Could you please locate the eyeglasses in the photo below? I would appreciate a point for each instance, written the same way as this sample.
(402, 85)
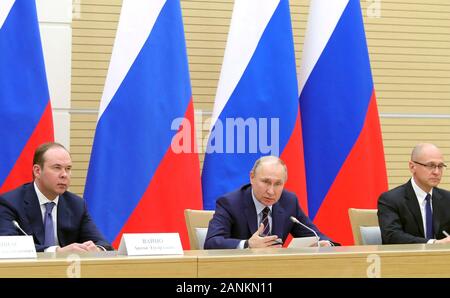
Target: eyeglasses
(432, 166)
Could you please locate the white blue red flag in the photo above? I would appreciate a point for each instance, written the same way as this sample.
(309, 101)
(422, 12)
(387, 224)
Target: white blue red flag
(25, 109)
(256, 109)
(144, 168)
(343, 148)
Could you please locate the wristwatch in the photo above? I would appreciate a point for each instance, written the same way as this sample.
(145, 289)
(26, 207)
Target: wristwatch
(246, 244)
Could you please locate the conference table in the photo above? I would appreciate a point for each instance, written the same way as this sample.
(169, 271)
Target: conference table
(407, 260)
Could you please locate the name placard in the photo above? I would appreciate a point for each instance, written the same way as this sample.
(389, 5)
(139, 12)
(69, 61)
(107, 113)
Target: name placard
(17, 247)
(147, 244)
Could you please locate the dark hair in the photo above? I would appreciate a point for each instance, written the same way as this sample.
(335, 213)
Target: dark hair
(38, 158)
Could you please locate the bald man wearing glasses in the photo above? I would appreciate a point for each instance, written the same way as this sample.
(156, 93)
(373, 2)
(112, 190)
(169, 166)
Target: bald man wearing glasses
(417, 211)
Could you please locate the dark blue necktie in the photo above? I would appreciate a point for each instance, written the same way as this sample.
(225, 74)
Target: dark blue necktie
(265, 222)
(429, 218)
(48, 225)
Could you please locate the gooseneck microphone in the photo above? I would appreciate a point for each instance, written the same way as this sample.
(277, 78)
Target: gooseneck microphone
(296, 221)
(16, 224)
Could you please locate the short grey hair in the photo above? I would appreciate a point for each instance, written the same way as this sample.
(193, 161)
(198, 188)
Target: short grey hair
(268, 158)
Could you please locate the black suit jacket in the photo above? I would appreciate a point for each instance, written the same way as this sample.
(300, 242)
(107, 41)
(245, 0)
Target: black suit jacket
(235, 219)
(400, 218)
(73, 223)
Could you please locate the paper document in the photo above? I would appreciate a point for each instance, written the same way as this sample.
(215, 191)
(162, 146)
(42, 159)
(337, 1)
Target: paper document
(303, 242)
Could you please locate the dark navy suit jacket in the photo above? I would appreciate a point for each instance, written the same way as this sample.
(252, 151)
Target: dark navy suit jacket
(235, 219)
(73, 224)
(400, 218)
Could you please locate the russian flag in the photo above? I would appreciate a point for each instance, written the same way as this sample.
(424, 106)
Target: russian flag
(343, 147)
(25, 109)
(144, 168)
(256, 110)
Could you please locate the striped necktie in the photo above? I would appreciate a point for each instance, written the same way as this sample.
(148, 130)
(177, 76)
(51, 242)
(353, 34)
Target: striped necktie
(265, 222)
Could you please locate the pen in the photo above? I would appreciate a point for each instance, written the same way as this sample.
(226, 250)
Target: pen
(446, 234)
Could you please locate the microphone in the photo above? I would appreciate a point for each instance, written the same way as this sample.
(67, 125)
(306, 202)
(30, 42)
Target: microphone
(296, 221)
(16, 224)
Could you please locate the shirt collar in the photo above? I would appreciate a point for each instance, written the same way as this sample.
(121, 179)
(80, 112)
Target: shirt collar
(420, 193)
(258, 205)
(43, 199)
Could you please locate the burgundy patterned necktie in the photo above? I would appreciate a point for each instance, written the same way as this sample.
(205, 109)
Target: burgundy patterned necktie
(265, 222)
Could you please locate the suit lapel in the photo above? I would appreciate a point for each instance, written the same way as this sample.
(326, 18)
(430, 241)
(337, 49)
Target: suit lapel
(413, 206)
(250, 211)
(277, 220)
(34, 214)
(437, 207)
(64, 218)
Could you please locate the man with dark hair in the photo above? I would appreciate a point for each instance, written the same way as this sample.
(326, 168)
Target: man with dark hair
(57, 219)
(258, 214)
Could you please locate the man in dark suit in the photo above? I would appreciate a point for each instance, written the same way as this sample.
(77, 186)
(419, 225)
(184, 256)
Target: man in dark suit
(258, 214)
(417, 211)
(56, 218)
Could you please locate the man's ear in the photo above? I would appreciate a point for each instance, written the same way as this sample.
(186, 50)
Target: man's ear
(36, 170)
(411, 166)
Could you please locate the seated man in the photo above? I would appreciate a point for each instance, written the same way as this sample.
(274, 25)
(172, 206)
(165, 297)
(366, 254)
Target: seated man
(57, 219)
(258, 214)
(417, 211)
